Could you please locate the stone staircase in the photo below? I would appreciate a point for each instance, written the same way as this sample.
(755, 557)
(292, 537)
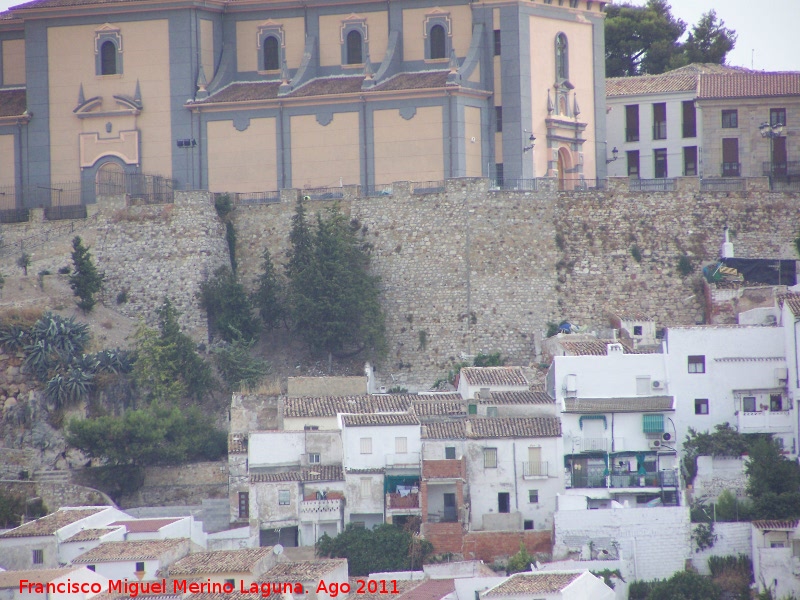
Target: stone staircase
(52, 476)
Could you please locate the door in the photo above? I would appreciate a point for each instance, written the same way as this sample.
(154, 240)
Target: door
(730, 157)
(503, 502)
(779, 156)
(535, 462)
(449, 508)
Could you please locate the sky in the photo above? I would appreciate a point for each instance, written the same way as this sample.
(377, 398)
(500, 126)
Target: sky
(769, 38)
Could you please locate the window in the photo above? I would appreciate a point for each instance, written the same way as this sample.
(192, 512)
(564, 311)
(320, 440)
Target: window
(140, 567)
(91, 567)
(108, 58)
(697, 364)
(366, 445)
(730, 157)
(701, 406)
(313, 458)
(503, 502)
(450, 452)
(490, 458)
(633, 163)
(355, 55)
(660, 121)
(690, 161)
(284, 498)
(660, 162)
(749, 404)
(689, 119)
(400, 445)
(310, 427)
(653, 423)
(777, 116)
(497, 45)
(730, 119)
(775, 402)
(498, 167)
(438, 41)
(643, 386)
(527, 524)
(366, 487)
(491, 411)
(244, 505)
(498, 113)
(271, 47)
(562, 57)
(637, 330)
(38, 557)
(632, 123)
(780, 544)
(533, 496)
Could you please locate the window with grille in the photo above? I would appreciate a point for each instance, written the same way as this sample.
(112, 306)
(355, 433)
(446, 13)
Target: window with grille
(38, 557)
(490, 458)
(366, 445)
(450, 452)
(730, 119)
(284, 497)
(400, 445)
(313, 458)
(244, 505)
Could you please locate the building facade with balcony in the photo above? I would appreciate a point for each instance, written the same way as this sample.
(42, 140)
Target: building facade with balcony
(776, 556)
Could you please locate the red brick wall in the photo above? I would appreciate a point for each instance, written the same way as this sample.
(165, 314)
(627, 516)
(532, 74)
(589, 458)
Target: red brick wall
(489, 546)
(445, 537)
(449, 469)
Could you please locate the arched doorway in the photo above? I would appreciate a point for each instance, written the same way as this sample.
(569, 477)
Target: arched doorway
(565, 181)
(110, 179)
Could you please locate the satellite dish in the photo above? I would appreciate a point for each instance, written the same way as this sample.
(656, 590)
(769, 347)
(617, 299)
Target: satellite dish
(277, 549)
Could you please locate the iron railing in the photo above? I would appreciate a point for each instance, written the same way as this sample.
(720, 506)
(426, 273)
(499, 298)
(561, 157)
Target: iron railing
(581, 184)
(140, 187)
(323, 193)
(250, 198)
(429, 187)
(15, 215)
(519, 185)
(535, 469)
(372, 191)
(62, 213)
(651, 185)
(731, 169)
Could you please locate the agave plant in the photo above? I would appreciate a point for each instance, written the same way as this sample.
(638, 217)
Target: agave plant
(87, 363)
(115, 361)
(56, 392)
(40, 359)
(78, 384)
(13, 337)
(61, 334)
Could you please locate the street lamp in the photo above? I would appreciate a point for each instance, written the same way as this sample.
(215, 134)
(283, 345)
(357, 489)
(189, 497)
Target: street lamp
(772, 132)
(614, 153)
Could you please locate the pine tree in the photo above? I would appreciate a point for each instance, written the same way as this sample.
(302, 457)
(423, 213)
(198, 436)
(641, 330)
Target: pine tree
(269, 296)
(85, 280)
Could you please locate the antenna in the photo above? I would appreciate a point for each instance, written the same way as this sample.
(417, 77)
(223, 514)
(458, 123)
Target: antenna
(277, 549)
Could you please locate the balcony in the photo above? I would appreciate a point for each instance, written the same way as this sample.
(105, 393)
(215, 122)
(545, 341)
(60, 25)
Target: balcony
(766, 421)
(533, 470)
(617, 480)
(781, 169)
(321, 510)
(590, 444)
(731, 169)
(396, 501)
(402, 460)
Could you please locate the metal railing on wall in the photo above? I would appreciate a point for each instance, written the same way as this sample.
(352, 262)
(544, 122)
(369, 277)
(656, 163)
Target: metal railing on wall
(142, 188)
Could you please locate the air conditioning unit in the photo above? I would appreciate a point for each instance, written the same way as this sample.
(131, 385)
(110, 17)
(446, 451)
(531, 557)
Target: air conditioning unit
(658, 385)
(666, 437)
(655, 444)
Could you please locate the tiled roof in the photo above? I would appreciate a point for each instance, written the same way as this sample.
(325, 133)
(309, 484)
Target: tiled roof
(145, 525)
(533, 583)
(650, 84)
(51, 523)
(444, 430)
(13, 103)
(749, 85)
(593, 347)
(372, 471)
(85, 535)
(221, 561)
(604, 405)
(11, 579)
(489, 376)
(432, 409)
(133, 550)
(529, 397)
(237, 443)
(433, 589)
(330, 406)
(380, 419)
(515, 427)
(305, 570)
(793, 301)
(321, 473)
(413, 81)
(773, 524)
(403, 587)
(327, 86)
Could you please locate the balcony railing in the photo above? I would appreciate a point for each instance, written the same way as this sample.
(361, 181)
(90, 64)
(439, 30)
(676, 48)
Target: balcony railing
(661, 184)
(624, 480)
(321, 509)
(518, 185)
(767, 421)
(660, 130)
(781, 169)
(631, 134)
(395, 501)
(731, 169)
(535, 469)
(590, 444)
(429, 187)
(323, 193)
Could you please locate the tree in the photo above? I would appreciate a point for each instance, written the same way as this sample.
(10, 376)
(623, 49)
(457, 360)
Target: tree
(709, 41)
(685, 585)
(641, 39)
(269, 297)
(228, 307)
(335, 301)
(85, 280)
(773, 482)
(23, 262)
(301, 240)
(521, 561)
(237, 366)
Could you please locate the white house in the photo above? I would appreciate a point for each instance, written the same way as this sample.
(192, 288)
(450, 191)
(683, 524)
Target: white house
(163, 529)
(551, 585)
(139, 560)
(65, 583)
(320, 413)
(36, 545)
(776, 556)
(86, 539)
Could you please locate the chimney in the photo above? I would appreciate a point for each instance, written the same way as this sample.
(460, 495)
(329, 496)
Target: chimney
(727, 246)
(468, 427)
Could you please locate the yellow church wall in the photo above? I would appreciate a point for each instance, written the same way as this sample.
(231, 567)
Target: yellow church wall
(581, 74)
(207, 48)
(414, 30)
(14, 62)
(408, 150)
(71, 60)
(242, 161)
(472, 131)
(324, 156)
(8, 172)
(294, 39)
(330, 36)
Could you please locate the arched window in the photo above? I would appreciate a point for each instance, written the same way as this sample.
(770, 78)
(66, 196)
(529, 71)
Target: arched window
(562, 57)
(437, 40)
(108, 58)
(271, 54)
(355, 55)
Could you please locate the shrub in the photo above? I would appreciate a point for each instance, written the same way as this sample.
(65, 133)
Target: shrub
(86, 280)
(228, 306)
(238, 368)
(23, 262)
(636, 253)
(685, 266)
(122, 297)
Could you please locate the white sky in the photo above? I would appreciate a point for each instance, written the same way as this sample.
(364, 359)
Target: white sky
(769, 30)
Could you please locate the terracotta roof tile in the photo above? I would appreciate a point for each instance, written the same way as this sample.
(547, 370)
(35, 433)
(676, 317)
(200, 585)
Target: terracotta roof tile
(749, 85)
(51, 523)
(434, 409)
(433, 589)
(11, 579)
(793, 301)
(533, 583)
(244, 91)
(379, 419)
(13, 103)
(237, 443)
(634, 404)
(594, 347)
(330, 406)
(145, 525)
(774, 524)
(221, 561)
(85, 535)
(301, 571)
(679, 80)
(444, 430)
(415, 81)
(529, 397)
(489, 376)
(134, 550)
(515, 427)
(327, 86)
(321, 473)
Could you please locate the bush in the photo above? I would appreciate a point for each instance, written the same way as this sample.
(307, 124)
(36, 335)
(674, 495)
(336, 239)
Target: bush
(521, 561)
(238, 368)
(685, 266)
(229, 310)
(122, 297)
(223, 204)
(685, 585)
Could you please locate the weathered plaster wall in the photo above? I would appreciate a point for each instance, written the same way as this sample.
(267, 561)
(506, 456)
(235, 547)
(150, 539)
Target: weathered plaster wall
(733, 539)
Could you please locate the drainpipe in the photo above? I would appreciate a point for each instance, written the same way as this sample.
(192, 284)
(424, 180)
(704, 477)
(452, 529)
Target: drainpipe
(516, 495)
